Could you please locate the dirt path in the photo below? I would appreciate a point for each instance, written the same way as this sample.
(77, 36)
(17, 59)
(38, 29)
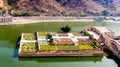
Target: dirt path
(26, 21)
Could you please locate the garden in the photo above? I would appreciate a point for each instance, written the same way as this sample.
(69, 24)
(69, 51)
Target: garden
(85, 47)
(52, 47)
(28, 47)
(43, 43)
(67, 47)
(43, 33)
(28, 36)
(47, 47)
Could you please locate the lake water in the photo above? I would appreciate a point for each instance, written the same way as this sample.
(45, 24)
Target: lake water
(9, 35)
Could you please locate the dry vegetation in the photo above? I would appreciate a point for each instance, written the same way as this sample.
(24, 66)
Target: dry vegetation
(62, 7)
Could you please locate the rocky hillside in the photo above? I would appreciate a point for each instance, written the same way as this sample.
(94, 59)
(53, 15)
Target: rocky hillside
(49, 7)
(61, 7)
(112, 6)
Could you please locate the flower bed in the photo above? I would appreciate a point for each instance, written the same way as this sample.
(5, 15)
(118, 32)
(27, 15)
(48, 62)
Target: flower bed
(47, 47)
(28, 47)
(43, 33)
(67, 47)
(76, 33)
(85, 47)
(28, 36)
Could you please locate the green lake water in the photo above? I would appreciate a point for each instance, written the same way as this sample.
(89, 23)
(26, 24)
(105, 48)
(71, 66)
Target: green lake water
(9, 35)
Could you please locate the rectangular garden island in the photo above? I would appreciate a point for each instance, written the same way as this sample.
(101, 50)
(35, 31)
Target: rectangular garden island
(52, 44)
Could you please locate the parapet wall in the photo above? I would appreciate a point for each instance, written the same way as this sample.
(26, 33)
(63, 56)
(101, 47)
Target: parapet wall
(110, 34)
(55, 53)
(5, 19)
(93, 28)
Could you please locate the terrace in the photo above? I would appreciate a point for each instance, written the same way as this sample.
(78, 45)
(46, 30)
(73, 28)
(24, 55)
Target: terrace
(96, 36)
(68, 38)
(62, 44)
(84, 41)
(42, 41)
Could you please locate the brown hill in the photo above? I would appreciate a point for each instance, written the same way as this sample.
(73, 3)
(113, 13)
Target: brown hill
(41, 6)
(82, 5)
(64, 7)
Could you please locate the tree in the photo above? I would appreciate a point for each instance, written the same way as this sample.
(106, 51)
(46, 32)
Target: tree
(105, 13)
(96, 43)
(49, 36)
(66, 29)
(12, 2)
(51, 40)
(86, 33)
(27, 13)
(19, 13)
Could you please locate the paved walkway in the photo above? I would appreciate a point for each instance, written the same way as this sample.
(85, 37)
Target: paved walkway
(22, 20)
(72, 37)
(96, 36)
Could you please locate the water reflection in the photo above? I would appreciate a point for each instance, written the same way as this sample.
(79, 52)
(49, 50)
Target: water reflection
(63, 59)
(8, 39)
(116, 59)
(112, 56)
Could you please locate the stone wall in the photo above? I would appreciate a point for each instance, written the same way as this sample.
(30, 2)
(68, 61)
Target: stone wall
(5, 19)
(48, 53)
(110, 34)
(116, 48)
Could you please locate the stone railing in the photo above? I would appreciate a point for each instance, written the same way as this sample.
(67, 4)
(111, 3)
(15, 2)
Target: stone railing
(5, 19)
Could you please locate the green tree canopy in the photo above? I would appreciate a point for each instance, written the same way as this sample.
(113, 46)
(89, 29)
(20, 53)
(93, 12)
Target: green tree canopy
(105, 13)
(66, 29)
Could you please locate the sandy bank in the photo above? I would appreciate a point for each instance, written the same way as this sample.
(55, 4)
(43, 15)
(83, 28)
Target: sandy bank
(27, 20)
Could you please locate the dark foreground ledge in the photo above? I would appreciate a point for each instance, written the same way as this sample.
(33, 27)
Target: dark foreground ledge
(62, 53)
